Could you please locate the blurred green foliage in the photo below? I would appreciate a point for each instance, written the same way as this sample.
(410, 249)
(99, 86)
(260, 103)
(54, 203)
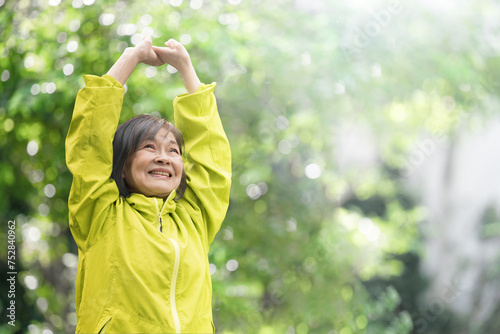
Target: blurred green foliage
(315, 241)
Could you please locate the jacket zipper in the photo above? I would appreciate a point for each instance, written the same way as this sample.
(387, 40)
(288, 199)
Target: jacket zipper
(175, 273)
(172, 287)
(103, 330)
(158, 216)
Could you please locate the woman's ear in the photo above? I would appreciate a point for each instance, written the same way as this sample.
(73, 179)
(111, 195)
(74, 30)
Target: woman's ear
(125, 169)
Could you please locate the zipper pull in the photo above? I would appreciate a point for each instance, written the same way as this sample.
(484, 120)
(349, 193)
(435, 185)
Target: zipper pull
(161, 223)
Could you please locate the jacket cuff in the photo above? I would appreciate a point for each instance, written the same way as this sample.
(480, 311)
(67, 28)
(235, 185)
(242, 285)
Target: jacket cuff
(202, 88)
(205, 86)
(104, 81)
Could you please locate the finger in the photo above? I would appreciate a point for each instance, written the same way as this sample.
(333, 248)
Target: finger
(157, 49)
(170, 43)
(147, 37)
(162, 50)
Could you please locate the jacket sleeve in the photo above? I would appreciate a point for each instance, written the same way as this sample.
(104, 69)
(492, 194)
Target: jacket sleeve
(89, 156)
(208, 161)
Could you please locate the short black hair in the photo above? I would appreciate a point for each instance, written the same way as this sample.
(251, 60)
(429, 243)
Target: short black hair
(129, 135)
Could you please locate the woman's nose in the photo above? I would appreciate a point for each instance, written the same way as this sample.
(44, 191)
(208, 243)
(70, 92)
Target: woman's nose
(162, 158)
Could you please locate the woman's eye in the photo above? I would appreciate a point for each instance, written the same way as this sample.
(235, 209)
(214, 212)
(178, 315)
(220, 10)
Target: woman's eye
(148, 146)
(174, 150)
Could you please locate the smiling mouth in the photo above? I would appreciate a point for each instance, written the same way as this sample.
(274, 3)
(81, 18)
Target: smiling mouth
(161, 173)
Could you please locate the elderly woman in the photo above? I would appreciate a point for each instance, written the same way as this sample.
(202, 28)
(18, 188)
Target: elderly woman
(142, 212)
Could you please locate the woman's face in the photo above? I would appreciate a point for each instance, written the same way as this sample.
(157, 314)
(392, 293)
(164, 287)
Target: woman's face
(155, 169)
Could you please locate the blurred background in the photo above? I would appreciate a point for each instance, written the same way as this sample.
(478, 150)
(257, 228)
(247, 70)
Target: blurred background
(365, 135)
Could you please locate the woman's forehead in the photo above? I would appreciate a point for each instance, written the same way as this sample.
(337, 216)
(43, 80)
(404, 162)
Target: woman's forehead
(164, 135)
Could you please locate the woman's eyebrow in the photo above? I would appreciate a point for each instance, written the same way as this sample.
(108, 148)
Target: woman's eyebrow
(167, 139)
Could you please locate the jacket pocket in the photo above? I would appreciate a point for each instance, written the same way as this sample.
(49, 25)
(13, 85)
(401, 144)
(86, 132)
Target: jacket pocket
(105, 326)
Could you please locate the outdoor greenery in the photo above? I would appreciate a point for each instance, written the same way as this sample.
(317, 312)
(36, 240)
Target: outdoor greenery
(324, 103)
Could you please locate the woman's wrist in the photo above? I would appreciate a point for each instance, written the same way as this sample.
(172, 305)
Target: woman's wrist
(131, 55)
(125, 65)
(189, 78)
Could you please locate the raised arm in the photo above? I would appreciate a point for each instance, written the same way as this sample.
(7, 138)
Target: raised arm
(208, 159)
(175, 54)
(141, 53)
(89, 144)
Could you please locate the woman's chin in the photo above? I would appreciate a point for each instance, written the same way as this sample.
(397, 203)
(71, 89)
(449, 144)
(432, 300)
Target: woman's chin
(159, 193)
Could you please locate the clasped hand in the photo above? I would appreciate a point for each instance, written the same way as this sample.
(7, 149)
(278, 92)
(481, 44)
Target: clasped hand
(173, 53)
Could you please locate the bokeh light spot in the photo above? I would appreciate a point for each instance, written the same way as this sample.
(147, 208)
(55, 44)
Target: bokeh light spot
(185, 39)
(312, 171)
(106, 19)
(8, 125)
(35, 89)
(361, 322)
(229, 19)
(151, 71)
(50, 88)
(282, 122)
(227, 233)
(42, 305)
(32, 148)
(284, 147)
(43, 210)
(253, 191)
(74, 25)
(171, 69)
(146, 19)
(5, 75)
(174, 17)
(232, 265)
(369, 229)
(29, 62)
(121, 46)
(31, 234)
(196, 4)
(148, 31)
(62, 37)
(31, 282)
(127, 29)
(136, 39)
(36, 176)
(68, 69)
(70, 260)
(49, 190)
(72, 46)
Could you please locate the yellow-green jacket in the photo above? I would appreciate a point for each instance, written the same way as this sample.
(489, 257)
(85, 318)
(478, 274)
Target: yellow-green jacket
(132, 278)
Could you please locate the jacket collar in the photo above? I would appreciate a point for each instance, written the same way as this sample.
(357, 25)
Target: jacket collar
(149, 207)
